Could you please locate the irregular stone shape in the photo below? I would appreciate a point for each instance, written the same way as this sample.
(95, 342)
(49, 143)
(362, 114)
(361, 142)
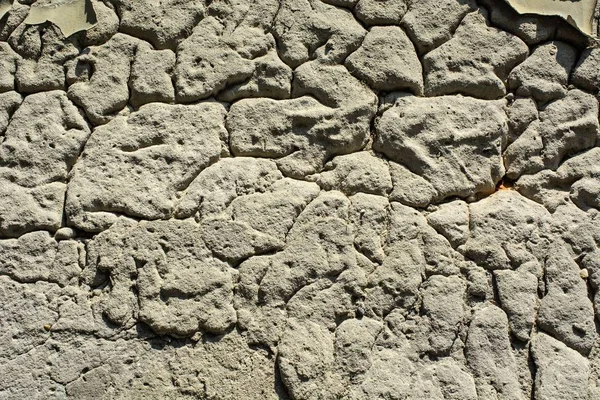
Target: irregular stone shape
(335, 87)
(37, 257)
(410, 189)
(453, 382)
(354, 340)
(380, 12)
(259, 222)
(305, 358)
(276, 129)
(397, 373)
(223, 369)
(24, 209)
(391, 375)
(311, 29)
(14, 20)
(99, 77)
(452, 221)
(27, 310)
(532, 29)
(387, 60)
(45, 70)
(507, 214)
(430, 23)
(586, 74)
(409, 225)
(235, 13)
(357, 172)
(369, 218)
(517, 291)
(318, 247)
(163, 274)
(443, 299)
(303, 132)
(521, 112)
(218, 185)
(35, 158)
(565, 310)
(105, 28)
(577, 175)
(151, 76)
(489, 355)
(395, 284)
(562, 373)
(565, 127)
(234, 241)
(9, 103)
(324, 302)
(162, 23)
(545, 74)
(418, 133)
(140, 172)
(475, 62)
(8, 67)
(271, 78)
(212, 58)
(274, 211)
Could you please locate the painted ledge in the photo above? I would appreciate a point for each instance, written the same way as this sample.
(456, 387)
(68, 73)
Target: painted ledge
(579, 13)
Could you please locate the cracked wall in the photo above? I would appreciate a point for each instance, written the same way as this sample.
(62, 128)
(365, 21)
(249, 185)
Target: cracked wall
(283, 199)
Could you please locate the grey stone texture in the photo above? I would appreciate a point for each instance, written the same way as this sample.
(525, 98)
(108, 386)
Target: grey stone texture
(299, 199)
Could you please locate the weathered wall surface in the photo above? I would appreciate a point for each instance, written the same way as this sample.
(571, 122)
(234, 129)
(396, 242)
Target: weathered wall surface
(299, 199)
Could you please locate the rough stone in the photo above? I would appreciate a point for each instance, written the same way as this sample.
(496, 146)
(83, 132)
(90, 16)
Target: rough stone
(303, 132)
(417, 132)
(36, 156)
(212, 58)
(9, 103)
(151, 76)
(519, 221)
(586, 74)
(36, 257)
(452, 220)
(443, 299)
(98, 78)
(8, 67)
(165, 148)
(430, 23)
(565, 310)
(162, 23)
(489, 355)
(521, 112)
(532, 29)
(565, 126)
(475, 62)
(44, 70)
(107, 24)
(163, 274)
(380, 12)
(545, 74)
(576, 175)
(517, 291)
(297, 199)
(357, 172)
(562, 373)
(386, 60)
(311, 29)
